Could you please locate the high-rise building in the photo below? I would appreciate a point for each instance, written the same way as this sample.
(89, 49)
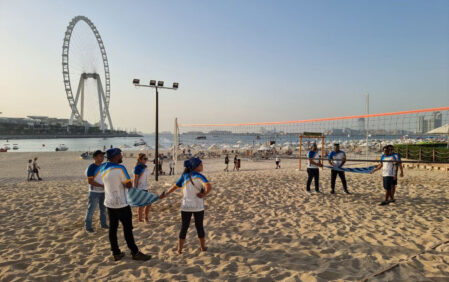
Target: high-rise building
(425, 125)
(421, 125)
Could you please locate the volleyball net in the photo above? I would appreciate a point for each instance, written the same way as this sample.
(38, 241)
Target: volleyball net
(418, 136)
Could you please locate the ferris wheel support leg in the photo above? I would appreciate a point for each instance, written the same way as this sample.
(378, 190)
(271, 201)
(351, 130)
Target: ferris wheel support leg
(106, 106)
(78, 91)
(82, 103)
(99, 88)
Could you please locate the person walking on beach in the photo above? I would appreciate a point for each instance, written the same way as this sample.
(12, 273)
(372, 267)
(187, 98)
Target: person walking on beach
(116, 180)
(141, 181)
(194, 187)
(235, 163)
(337, 158)
(278, 162)
(172, 167)
(96, 192)
(397, 166)
(226, 163)
(30, 170)
(36, 168)
(387, 163)
(313, 171)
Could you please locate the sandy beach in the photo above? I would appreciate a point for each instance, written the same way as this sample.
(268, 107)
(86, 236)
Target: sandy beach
(260, 224)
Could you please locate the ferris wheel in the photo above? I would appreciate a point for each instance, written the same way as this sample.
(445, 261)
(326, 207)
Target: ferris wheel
(84, 63)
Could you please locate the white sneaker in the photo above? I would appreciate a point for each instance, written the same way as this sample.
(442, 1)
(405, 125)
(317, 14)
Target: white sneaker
(309, 193)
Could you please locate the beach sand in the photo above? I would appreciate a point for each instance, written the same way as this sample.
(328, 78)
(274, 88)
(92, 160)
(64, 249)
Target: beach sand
(260, 224)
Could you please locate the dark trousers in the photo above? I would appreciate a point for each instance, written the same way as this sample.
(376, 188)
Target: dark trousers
(334, 174)
(313, 173)
(125, 216)
(186, 216)
(172, 171)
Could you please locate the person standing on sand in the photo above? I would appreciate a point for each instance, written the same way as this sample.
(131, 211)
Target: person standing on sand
(141, 181)
(36, 168)
(172, 167)
(96, 192)
(278, 162)
(235, 163)
(226, 163)
(30, 170)
(116, 180)
(194, 187)
(313, 171)
(337, 158)
(397, 166)
(387, 173)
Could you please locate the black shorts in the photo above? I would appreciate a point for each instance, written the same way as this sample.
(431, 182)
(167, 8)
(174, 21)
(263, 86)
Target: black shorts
(395, 181)
(277, 162)
(388, 182)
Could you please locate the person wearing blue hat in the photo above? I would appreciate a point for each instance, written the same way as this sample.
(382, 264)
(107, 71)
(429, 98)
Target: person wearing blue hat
(116, 180)
(195, 187)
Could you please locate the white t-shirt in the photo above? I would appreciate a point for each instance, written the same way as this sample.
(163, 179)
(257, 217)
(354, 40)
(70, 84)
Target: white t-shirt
(278, 159)
(337, 157)
(388, 167)
(190, 201)
(315, 156)
(93, 172)
(143, 172)
(114, 177)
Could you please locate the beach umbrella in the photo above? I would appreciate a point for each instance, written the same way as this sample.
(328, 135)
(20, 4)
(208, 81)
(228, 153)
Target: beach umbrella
(213, 147)
(440, 130)
(263, 148)
(225, 146)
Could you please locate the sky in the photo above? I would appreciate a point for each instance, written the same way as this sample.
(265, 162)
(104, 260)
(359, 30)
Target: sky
(235, 61)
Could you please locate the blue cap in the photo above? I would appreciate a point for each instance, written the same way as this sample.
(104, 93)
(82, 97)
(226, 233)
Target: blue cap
(111, 153)
(192, 163)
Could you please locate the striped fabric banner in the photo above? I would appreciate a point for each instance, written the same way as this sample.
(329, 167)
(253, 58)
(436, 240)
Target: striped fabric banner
(354, 169)
(140, 198)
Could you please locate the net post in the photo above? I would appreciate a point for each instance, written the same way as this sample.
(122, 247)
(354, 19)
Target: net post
(322, 151)
(175, 142)
(300, 150)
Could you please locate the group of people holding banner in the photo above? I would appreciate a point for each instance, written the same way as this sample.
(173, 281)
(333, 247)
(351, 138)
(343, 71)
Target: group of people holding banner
(390, 163)
(113, 190)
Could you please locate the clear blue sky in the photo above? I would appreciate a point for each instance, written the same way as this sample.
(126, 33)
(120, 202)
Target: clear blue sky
(236, 61)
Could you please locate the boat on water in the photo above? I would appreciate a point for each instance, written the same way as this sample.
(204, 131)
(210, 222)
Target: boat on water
(140, 143)
(6, 146)
(87, 155)
(15, 147)
(202, 137)
(61, 147)
(3, 150)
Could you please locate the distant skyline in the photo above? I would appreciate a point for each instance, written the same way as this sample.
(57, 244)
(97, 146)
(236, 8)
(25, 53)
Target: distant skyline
(236, 61)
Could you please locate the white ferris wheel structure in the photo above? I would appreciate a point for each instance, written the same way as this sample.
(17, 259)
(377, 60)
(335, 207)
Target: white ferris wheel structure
(82, 64)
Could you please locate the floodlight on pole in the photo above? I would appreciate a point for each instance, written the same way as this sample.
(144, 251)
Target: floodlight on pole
(160, 85)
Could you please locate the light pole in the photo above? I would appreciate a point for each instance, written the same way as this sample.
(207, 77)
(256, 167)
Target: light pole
(159, 85)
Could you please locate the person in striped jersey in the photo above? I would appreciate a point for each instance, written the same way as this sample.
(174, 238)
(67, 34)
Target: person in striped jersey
(387, 163)
(116, 181)
(397, 166)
